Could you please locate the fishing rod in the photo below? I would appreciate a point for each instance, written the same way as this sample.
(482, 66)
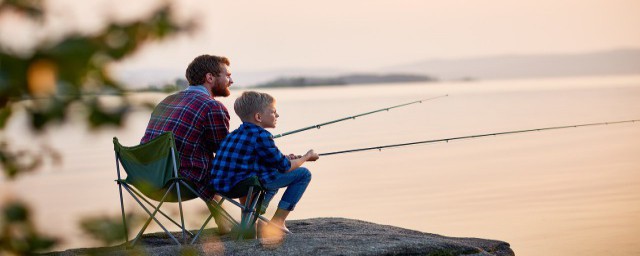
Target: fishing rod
(317, 126)
(472, 136)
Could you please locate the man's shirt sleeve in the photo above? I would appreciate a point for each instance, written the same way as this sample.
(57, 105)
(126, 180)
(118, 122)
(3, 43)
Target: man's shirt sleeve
(217, 126)
(270, 155)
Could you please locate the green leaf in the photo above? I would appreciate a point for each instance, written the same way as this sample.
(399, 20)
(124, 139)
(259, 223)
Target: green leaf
(100, 116)
(15, 212)
(108, 229)
(5, 113)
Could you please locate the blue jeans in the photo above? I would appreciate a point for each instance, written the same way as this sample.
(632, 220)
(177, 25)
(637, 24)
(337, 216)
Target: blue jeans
(296, 182)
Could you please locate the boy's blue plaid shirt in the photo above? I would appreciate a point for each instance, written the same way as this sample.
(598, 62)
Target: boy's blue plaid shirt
(247, 151)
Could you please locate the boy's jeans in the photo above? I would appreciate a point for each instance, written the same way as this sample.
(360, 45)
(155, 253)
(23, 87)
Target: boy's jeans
(296, 182)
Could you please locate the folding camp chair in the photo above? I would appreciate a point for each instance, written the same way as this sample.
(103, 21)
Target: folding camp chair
(152, 169)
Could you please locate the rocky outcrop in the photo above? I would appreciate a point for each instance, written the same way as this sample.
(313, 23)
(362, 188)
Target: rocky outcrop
(319, 236)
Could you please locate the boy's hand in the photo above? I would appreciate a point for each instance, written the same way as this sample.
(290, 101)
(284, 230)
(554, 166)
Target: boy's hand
(300, 160)
(293, 156)
(311, 155)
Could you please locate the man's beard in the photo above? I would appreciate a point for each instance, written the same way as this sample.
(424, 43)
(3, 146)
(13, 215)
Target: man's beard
(222, 91)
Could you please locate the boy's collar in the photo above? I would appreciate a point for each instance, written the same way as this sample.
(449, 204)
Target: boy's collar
(250, 124)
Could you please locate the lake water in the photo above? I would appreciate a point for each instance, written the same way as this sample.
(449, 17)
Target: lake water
(562, 192)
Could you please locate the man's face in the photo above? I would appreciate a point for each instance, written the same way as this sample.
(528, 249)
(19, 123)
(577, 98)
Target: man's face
(222, 82)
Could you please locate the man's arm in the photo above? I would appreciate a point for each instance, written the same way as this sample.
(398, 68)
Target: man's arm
(217, 126)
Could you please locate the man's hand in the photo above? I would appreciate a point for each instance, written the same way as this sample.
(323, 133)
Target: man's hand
(311, 155)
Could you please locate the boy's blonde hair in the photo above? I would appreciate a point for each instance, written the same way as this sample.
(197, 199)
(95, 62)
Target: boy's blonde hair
(250, 103)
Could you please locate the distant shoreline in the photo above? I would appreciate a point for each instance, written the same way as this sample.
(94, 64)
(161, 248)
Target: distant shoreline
(352, 79)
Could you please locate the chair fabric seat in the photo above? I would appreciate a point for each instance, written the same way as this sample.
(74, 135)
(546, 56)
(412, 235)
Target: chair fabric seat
(241, 189)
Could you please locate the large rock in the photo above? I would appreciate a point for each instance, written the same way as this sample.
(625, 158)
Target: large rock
(320, 236)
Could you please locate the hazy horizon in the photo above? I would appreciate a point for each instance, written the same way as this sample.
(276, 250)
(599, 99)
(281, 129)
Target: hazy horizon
(494, 67)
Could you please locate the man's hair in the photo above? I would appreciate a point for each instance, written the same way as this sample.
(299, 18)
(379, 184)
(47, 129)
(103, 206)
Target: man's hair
(203, 64)
(250, 103)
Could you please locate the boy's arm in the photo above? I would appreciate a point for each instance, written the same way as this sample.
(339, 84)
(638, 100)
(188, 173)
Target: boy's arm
(309, 156)
(269, 154)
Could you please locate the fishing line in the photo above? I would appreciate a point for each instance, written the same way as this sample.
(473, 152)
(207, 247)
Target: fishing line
(317, 126)
(472, 136)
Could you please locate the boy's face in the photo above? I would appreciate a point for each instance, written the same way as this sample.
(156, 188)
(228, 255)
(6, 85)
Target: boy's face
(269, 116)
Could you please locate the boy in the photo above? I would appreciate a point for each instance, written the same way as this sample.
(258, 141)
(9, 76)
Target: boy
(250, 151)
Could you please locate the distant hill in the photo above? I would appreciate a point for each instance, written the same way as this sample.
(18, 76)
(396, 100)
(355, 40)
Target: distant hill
(302, 81)
(615, 62)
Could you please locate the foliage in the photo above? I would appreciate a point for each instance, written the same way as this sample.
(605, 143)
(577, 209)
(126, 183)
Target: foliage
(178, 85)
(108, 230)
(71, 70)
(58, 73)
(18, 235)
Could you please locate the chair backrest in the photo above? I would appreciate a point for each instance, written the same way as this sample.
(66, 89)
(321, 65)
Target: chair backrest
(150, 166)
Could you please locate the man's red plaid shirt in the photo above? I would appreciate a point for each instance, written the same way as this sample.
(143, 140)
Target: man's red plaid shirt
(199, 124)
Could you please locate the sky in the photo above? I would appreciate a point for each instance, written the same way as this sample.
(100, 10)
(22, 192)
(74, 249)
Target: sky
(356, 35)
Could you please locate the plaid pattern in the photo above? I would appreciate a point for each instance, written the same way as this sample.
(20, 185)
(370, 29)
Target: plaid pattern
(199, 124)
(247, 151)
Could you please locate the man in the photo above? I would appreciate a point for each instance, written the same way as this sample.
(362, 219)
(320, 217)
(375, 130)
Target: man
(198, 121)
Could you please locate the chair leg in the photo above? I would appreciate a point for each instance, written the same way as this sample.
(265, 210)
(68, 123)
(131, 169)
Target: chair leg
(201, 229)
(212, 206)
(161, 212)
(256, 207)
(223, 212)
(152, 216)
(244, 217)
(215, 207)
(124, 219)
(253, 209)
(184, 236)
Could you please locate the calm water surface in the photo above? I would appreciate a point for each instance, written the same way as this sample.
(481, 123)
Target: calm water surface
(561, 192)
